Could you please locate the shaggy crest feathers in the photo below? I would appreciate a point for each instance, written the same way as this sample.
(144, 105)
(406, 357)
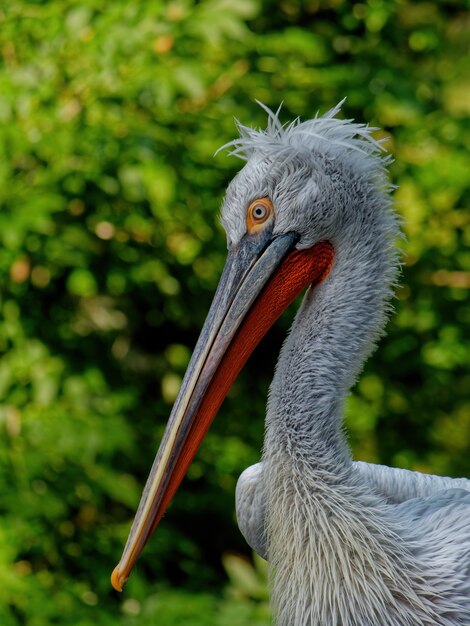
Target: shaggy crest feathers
(324, 134)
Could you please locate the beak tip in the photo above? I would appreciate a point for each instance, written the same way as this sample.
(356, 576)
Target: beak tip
(117, 579)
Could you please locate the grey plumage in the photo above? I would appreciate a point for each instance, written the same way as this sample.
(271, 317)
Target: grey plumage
(420, 492)
(349, 544)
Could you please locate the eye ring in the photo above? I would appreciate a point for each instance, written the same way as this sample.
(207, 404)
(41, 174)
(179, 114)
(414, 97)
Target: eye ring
(258, 213)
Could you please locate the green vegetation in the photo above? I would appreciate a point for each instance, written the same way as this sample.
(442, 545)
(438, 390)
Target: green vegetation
(110, 250)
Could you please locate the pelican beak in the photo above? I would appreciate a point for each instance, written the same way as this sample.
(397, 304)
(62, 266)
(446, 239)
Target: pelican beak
(262, 275)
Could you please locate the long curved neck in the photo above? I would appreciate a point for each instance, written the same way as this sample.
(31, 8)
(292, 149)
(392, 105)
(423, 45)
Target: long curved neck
(333, 333)
(330, 541)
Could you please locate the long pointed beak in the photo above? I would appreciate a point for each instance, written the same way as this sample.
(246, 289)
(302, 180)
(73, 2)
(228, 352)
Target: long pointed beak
(262, 276)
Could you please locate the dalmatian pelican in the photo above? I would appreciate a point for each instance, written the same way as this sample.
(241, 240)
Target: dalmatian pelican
(348, 543)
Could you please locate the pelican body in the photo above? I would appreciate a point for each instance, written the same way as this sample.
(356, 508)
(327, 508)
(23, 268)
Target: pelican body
(348, 543)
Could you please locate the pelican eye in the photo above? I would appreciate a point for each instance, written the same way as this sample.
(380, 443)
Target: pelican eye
(259, 212)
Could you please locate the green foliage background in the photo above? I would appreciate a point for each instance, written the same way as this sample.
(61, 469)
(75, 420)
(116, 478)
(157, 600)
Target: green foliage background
(110, 250)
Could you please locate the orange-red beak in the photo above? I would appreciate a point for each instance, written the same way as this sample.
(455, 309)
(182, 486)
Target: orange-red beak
(262, 276)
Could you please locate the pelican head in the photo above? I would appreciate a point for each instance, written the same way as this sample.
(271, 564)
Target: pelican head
(289, 214)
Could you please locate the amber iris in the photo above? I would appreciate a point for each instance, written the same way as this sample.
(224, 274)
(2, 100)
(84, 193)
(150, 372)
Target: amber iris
(258, 214)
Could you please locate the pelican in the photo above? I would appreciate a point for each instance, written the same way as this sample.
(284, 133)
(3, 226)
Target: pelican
(348, 543)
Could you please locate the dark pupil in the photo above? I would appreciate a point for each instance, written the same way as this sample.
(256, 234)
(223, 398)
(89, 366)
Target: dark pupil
(259, 211)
